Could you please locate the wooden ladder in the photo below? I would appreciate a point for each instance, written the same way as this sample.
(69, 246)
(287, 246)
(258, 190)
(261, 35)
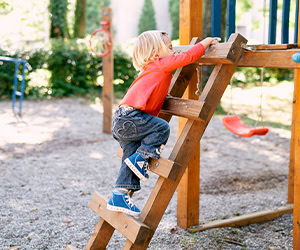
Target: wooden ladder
(139, 231)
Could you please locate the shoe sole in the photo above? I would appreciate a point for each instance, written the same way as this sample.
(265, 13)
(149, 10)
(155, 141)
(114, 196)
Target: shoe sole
(134, 170)
(121, 209)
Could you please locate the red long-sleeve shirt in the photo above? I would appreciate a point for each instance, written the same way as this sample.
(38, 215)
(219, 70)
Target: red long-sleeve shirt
(148, 92)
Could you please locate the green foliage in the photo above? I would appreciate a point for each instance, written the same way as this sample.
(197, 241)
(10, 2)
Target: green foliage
(252, 76)
(79, 22)
(243, 7)
(72, 71)
(94, 14)
(72, 68)
(174, 13)
(59, 25)
(5, 6)
(147, 18)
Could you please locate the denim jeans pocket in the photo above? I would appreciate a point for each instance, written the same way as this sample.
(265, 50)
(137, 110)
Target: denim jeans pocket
(125, 129)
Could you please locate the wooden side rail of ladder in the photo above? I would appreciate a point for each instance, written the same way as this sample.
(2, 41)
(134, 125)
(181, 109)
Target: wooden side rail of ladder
(139, 232)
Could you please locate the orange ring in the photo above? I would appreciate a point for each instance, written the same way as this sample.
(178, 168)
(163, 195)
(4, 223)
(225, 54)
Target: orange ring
(110, 39)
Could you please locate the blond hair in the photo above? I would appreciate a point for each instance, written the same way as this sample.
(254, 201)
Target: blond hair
(147, 46)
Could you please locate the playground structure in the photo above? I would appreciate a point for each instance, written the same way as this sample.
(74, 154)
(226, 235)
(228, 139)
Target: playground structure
(178, 170)
(18, 89)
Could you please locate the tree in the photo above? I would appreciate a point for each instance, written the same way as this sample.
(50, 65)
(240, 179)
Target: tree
(94, 14)
(174, 13)
(59, 25)
(147, 19)
(80, 17)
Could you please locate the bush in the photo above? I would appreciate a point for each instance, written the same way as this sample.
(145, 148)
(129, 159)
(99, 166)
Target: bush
(70, 70)
(251, 76)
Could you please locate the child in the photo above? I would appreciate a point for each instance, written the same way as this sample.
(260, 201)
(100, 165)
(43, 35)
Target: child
(141, 134)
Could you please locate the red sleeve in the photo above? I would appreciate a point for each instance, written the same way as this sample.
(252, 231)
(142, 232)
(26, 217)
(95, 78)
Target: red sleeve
(174, 62)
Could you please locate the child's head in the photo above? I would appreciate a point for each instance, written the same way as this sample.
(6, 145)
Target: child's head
(150, 45)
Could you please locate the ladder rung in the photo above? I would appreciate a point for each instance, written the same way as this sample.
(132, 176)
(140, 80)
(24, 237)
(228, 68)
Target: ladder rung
(131, 228)
(218, 53)
(162, 167)
(191, 109)
(165, 168)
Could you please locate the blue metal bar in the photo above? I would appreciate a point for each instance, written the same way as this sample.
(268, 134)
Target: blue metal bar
(216, 18)
(285, 21)
(272, 21)
(22, 88)
(296, 22)
(230, 28)
(15, 93)
(15, 86)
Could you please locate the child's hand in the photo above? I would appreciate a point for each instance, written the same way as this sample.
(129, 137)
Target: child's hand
(210, 40)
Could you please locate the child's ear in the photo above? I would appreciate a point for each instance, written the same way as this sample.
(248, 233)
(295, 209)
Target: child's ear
(155, 54)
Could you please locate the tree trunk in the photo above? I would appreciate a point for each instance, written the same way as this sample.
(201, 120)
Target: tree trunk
(59, 24)
(80, 17)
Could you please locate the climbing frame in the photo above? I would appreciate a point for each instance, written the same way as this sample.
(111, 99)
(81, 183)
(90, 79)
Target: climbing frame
(139, 232)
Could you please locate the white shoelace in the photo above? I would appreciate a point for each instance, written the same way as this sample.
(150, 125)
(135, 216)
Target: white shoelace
(146, 167)
(129, 201)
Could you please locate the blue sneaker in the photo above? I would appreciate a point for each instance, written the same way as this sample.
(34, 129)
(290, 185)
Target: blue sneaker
(138, 165)
(121, 202)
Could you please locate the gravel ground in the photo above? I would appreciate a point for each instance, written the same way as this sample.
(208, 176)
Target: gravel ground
(55, 157)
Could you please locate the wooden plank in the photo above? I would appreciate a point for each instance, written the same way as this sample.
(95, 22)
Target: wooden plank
(296, 106)
(101, 236)
(107, 90)
(273, 46)
(218, 53)
(134, 230)
(267, 56)
(185, 108)
(244, 220)
(185, 145)
(190, 25)
(165, 168)
(162, 167)
(290, 198)
(270, 59)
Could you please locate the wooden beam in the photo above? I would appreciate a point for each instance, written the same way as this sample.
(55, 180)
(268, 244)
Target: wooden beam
(165, 168)
(132, 229)
(101, 236)
(162, 167)
(218, 53)
(266, 56)
(296, 131)
(190, 25)
(108, 73)
(244, 220)
(269, 59)
(187, 108)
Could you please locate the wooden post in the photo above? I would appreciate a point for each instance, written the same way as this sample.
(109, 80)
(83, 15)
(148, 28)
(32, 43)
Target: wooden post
(296, 106)
(108, 73)
(188, 190)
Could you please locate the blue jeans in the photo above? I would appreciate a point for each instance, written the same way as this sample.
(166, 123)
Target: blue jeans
(137, 132)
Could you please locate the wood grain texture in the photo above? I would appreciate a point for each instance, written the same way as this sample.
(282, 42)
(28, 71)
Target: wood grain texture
(107, 90)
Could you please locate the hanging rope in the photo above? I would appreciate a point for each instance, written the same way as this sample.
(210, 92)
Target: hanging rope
(199, 80)
(260, 113)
